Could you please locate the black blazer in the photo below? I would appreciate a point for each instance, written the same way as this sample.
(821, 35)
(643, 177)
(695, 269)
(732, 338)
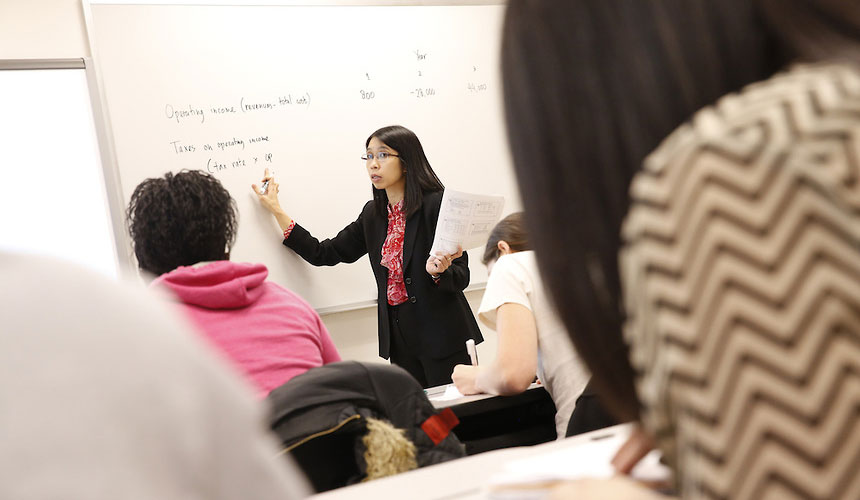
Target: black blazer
(437, 318)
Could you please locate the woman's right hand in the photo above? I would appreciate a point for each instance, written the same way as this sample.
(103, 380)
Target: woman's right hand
(269, 197)
(465, 379)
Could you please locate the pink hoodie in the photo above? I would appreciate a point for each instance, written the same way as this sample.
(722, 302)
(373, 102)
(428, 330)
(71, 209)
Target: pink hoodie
(268, 332)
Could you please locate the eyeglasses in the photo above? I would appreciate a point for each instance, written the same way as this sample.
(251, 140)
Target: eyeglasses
(381, 156)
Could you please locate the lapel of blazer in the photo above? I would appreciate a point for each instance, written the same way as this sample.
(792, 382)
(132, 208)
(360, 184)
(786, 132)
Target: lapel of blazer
(380, 231)
(413, 224)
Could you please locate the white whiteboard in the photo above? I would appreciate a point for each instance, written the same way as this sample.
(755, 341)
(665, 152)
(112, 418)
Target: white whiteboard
(191, 86)
(52, 196)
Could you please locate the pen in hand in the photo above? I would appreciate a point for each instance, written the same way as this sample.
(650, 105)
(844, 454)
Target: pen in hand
(473, 351)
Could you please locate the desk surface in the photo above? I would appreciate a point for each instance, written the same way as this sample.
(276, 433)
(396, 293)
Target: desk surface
(435, 392)
(464, 478)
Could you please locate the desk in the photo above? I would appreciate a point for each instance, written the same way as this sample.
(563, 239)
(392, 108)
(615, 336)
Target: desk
(464, 478)
(490, 422)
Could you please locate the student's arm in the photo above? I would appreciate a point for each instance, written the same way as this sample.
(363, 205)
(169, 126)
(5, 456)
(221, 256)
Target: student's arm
(515, 365)
(638, 444)
(327, 347)
(614, 487)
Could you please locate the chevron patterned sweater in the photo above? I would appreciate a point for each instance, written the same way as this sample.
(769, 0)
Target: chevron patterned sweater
(741, 273)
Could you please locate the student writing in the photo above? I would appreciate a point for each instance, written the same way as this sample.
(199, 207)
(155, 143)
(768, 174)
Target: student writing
(532, 340)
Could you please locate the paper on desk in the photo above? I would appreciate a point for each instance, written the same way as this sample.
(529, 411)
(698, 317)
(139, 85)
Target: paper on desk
(591, 459)
(451, 392)
(465, 220)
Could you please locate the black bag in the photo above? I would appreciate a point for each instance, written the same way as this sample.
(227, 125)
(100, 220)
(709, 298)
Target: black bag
(322, 416)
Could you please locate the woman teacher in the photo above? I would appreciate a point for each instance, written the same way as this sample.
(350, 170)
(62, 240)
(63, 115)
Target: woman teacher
(424, 319)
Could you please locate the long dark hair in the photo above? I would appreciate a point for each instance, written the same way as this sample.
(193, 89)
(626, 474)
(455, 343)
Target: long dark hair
(181, 219)
(512, 230)
(590, 88)
(420, 177)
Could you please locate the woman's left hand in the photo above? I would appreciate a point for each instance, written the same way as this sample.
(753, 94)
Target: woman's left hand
(638, 444)
(439, 262)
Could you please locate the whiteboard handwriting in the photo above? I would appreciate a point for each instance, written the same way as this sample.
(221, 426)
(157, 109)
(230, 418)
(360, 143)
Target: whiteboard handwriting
(183, 114)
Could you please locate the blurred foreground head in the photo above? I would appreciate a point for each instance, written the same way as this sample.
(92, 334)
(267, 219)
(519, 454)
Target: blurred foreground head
(738, 239)
(106, 394)
(590, 88)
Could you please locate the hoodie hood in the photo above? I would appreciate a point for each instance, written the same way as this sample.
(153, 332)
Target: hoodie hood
(217, 285)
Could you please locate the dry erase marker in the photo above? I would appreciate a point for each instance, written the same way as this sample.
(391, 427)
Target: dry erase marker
(473, 351)
(265, 186)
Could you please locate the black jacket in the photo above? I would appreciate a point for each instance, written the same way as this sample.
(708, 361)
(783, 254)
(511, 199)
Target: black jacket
(318, 414)
(438, 319)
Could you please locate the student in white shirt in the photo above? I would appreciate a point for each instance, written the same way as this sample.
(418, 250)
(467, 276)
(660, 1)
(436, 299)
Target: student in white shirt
(532, 341)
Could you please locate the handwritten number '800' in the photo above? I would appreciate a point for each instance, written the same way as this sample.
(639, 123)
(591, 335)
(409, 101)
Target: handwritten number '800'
(367, 94)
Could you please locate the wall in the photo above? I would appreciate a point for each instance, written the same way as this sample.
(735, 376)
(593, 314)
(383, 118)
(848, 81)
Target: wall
(55, 29)
(42, 29)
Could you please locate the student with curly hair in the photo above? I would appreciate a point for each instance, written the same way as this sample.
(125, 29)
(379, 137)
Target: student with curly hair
(182, 227)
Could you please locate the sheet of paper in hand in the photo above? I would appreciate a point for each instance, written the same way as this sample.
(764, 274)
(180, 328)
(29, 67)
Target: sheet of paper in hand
(465, 220)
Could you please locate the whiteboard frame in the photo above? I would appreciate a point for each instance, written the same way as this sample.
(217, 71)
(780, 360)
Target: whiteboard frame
(98, 98)
(32, 64)
(297, 3)
(108, 163)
